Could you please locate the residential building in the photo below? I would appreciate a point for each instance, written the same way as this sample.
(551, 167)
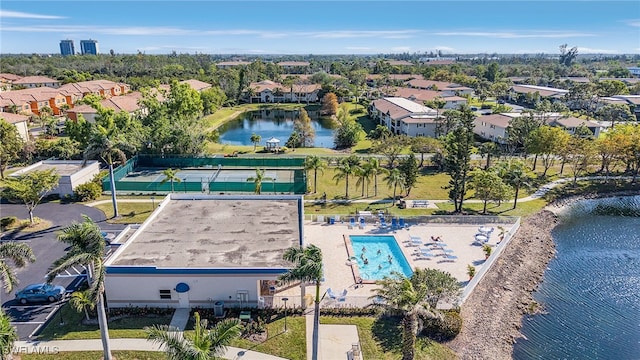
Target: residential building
(404, 117)
(570, 124)
(102, 88)
(72, 173)
(89, 47)
(420, 96)
(21, 122)
(450, 89)
(267, 91)
(127, 103)
(230, 64)
(634, 70)
(36, 81)
(295, 67)
(197, 85)
(6, 80)
(181, 258)
(520, 93)
(36, 98)
(494, 126)
(67, 48)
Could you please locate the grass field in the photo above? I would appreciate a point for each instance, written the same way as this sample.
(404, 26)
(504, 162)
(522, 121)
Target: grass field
(97, 355)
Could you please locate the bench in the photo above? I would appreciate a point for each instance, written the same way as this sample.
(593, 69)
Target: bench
(420, 203)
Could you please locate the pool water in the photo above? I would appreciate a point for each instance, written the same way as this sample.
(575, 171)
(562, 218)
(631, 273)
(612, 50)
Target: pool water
(377, 250)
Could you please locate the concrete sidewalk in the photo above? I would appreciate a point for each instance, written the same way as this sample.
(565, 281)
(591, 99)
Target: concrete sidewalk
(56, 346)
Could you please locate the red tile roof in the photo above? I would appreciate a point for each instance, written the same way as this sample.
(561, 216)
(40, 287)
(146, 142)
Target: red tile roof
(10, 77)
(13, 118)
(499, 120)
(35, 80)
(197, 84)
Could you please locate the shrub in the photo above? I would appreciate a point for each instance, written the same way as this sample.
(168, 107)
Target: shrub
(443, 329)
(88, 191)
(7, 221)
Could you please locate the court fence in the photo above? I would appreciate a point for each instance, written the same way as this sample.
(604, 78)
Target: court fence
(297, 185)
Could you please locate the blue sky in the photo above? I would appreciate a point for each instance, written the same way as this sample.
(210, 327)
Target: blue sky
(322, 27)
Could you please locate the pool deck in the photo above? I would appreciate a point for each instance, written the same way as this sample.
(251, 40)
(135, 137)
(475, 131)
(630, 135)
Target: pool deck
(338, 270)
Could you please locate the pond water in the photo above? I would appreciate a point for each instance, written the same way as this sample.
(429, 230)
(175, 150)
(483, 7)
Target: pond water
(273, 123)
(590, 293)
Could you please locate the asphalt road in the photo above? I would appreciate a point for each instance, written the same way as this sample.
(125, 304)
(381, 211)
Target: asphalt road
(46, 249)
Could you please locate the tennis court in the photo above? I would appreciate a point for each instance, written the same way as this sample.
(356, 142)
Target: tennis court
(155, 175)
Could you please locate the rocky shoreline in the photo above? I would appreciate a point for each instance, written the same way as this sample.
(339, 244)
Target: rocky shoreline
(493, 313)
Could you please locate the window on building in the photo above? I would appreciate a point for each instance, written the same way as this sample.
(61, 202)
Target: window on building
(165, 294)
(492, 126)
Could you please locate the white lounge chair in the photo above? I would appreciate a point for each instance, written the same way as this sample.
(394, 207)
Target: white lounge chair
(331, 294)
(343, 296)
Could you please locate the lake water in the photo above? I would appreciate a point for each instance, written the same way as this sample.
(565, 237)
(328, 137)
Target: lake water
(273, 123)
(590, 294)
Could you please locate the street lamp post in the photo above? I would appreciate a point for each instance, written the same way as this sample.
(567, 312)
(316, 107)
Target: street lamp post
(285, 313)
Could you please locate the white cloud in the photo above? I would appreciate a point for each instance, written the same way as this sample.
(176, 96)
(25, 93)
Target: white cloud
(136, 30)
(342, 34)
(23, 15)
(445, 49)
(585, 50)
(358, 48)
(515, 35)
(401, 48)
(633, 22)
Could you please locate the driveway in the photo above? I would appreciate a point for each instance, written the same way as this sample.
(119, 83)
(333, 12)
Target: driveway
(46, 249)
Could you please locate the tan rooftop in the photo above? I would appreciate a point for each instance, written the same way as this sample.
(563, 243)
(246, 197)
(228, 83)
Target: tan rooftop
(206, 231)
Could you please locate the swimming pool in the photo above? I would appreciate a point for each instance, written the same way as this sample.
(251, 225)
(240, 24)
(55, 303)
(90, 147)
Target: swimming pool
(378, 250)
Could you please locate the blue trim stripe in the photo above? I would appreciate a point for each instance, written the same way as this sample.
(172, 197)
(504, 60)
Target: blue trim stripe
(151, 270)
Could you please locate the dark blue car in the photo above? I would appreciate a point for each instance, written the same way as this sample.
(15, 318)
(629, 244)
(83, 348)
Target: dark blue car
(40, 293)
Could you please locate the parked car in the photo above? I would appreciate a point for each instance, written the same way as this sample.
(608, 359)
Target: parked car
(40, 293)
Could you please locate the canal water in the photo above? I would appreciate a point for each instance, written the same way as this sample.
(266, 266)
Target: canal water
(273, 123)
(591, 291)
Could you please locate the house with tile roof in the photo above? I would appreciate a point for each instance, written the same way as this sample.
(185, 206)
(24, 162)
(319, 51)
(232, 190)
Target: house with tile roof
(519, 93)
(6, 80)
(197, 85)
(448, 88)
(127, 103)
(268, 91)
(36, 81)
(295, 67)
(38, 98)
(404, 117)
(21, 122)
(230, 64)
(102, 88)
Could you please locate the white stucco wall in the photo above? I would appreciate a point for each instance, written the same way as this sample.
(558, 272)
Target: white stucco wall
(490, 132)
(144, 290)
(415, 130)
(67, 183)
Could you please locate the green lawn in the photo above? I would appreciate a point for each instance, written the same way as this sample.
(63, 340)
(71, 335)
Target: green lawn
(381, 339)
(289, 345)
(523, 209)
(73, 329)
(130, 212)
(97, 355)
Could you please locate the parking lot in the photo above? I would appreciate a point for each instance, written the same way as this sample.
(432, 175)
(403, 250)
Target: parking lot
(31, 317)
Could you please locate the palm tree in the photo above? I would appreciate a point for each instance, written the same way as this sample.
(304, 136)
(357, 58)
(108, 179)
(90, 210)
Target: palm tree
(19, 253)
(515, 174)
(376, 169)
(107, 143)
(364, 177)
(316, 164)
(170, 175)
(8, 336)
(87, 248)
(394, 179)
(258, 179)
(255, 139)
(414, 297)
(307, 268)
(203, 344)
(344, 170)
(82, 301)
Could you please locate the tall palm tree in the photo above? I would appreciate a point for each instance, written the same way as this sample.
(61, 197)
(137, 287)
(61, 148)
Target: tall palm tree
(8, 336)
(394, 179)
(107, 143)
(376, 169)
(515, 174)
(307, 268)
(414, 297)
(19, 253)
(87, 248)
(258, 179)
(344, 170)
(170, 175)
(316, 164)
(364, 177)
(203, 344)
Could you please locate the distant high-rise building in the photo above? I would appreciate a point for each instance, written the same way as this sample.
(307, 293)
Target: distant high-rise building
(89, 47)
(67, 47)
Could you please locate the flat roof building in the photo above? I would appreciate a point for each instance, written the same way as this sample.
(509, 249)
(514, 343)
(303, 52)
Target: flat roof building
(219, 248)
